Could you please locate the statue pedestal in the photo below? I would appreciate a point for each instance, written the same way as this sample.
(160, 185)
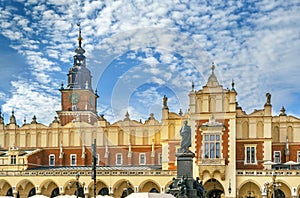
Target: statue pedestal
(185, 165)
(184, 186)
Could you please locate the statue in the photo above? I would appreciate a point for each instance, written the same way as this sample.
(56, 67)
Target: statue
(185, 133)
(199, 187)
(165, 100)
(268, 96)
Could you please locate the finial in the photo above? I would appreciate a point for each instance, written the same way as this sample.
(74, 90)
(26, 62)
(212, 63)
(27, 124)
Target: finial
(24, 120)
(12, 112)
(79, 36)
(127, 116)
(282, 111)
(232, 85)
(193, 86)
(180, 112)
(212, 67)
(34, 120)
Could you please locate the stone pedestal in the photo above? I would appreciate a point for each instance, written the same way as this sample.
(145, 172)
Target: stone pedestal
(185, 165)
(184, 186)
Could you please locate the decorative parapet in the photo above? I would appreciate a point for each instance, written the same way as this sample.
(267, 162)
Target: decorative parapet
(212, 166)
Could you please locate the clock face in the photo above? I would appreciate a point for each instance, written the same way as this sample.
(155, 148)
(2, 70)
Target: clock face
(74, 98)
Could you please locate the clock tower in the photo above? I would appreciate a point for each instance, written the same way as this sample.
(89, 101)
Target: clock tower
(78, 100)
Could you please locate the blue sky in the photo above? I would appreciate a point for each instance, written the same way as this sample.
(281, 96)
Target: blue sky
(139, 51)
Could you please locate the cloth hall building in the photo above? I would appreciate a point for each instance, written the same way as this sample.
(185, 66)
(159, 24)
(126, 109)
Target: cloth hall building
(237, 154)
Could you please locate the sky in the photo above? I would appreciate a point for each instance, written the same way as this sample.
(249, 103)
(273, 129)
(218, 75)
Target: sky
(139, 51)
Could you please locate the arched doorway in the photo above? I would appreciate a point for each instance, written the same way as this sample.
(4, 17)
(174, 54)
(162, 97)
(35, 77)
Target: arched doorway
(154, 190)
(279, 194)
(123, 188)
(214, 188)
(103, 191)
(55, 192)
(215, 193)
(32, 192)
(149, 186)
(250, 190)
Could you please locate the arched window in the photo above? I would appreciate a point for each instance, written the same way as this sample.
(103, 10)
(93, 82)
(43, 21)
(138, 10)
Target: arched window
(145, 137)
(27, 139)
(132, 137)
(212, 104)
(18, 139)
(245, 130)
(290, 134)
(6, 143)
(259, 129)
(72, 138)
(38, 139)
(275, 134)
(121, 137)
(171, 134)
(49, 139)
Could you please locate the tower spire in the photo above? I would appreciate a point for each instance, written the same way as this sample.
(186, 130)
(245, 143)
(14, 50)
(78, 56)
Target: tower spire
(79, 35)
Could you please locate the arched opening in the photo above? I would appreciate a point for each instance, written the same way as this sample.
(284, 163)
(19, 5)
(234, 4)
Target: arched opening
(25, 188)
(55, 192)
(275, 134)
(245, 130)
(214, 188)
(278, 194)
(149, 186)
(127, 192)
(260, 130)
(10, 192)
(103, 191)
(154, 190)
(49, 188)
(250, 190)
(32, 192)
(171, 132)
(123, 188)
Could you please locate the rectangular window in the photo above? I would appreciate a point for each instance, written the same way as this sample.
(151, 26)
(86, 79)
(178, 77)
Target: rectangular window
(119, 160)
(212, 146)
(73, 159)
(277, 156)
(160, 158)
(250, 154)
(298, 157)
(51, 160)
(13, 159)
(142, 158)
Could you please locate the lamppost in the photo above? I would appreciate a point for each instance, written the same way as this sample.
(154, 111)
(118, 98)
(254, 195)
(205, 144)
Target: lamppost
(272, 187)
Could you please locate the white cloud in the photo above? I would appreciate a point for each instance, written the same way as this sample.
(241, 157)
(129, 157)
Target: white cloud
(30, 99)
(258, 47)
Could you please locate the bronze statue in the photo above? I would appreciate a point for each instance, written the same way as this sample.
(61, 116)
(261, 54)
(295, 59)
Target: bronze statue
(185, 133)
